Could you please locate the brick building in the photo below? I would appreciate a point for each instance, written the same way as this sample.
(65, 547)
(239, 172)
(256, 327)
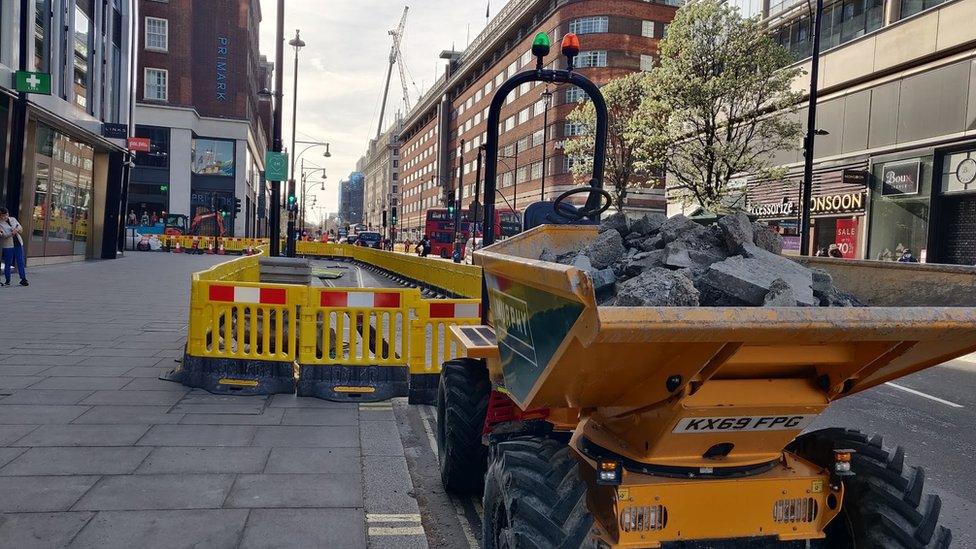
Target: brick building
(618, 37)
(199, 75)
(381, 169)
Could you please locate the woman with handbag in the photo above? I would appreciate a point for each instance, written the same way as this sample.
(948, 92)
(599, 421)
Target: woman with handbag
(12, 247)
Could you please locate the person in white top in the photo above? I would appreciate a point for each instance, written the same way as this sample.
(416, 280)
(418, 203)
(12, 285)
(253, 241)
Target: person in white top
(12, 245)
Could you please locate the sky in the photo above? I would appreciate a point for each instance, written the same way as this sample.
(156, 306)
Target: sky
(343, 67)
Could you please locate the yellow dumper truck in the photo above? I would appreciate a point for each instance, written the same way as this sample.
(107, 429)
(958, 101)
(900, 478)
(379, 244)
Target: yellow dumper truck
(639, 426)
(626, 427)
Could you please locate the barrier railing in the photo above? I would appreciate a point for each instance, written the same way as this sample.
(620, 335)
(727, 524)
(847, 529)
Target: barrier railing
(340, 341)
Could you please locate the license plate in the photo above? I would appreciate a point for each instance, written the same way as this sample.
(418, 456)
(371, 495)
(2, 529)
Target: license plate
(742, 423)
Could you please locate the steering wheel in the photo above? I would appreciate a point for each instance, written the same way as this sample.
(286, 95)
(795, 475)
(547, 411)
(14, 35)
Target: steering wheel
(571, 213)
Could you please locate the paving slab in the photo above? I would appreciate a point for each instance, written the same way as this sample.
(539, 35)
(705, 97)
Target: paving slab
(76, 461)
(212, 459)
(301, 528)
(148, 415)
(18, 382)
(210, 528)
(22, 369)
(84, 435)
(42, 493)
(294, 490)
(380, 438)
(81, 382)
(199, 435)
(307, 436)
(153, 384)
(88, 371)
(136, 492)
(321, 416)
(35, 414)
(41, 530)
(45, 396)
(8, 454)
(270, 416)
(133, 397)
(10, 433)
(343, 461)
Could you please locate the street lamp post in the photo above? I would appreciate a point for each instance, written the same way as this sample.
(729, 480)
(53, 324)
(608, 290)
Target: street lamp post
(298, 44)
(276, 145)
(547, 95)
(811, 134)
(304, 179)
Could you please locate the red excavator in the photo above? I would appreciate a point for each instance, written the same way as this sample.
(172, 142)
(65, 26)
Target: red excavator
(205, 224)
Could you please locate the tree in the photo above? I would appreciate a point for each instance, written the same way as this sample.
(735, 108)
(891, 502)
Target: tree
(632, 151)
(727, 84)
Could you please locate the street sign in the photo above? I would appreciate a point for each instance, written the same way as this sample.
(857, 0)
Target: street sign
(139, 144)
(33, 82)
(275, 166)
(115, 131)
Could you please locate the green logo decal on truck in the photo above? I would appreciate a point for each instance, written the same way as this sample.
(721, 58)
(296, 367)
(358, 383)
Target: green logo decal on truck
(530, 324)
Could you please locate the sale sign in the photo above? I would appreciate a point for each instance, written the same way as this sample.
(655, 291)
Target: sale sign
(847, 236)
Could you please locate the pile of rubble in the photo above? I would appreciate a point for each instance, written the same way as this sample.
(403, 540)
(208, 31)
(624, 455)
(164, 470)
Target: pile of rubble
(659, 261)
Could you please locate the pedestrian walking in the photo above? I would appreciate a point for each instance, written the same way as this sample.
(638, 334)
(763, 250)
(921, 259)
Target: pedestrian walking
(12, 247)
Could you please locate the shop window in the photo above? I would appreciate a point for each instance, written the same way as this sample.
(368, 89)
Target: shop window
(899, 220)
(212, 157)
(836, 236)
(959, 172)
(158, 155)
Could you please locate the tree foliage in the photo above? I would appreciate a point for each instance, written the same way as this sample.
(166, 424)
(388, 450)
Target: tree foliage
(722, 76)
(633, 149)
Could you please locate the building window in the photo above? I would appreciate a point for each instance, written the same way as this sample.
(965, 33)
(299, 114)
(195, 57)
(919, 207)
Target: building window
(589, 25)
(157, 34)
(646, 62)
(574, 95)
(594, 58)
(568, 163)
(537, 170)
(647, 29)
(82, 55)
(212, 157)
(537, 137)
(156, 85)
(158, 155)
(572, 128)
(911, 7)
(42, 35)
(842, 22)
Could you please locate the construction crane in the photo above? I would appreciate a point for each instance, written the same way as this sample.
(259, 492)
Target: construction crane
(396, 58)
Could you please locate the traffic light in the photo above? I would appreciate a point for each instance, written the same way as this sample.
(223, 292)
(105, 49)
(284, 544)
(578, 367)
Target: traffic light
(450, 204)
(384, 219)
(237, 206)
(393, 212)
(292, 201)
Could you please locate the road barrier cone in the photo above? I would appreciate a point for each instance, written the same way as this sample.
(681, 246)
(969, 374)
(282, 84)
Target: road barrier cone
(210, 249)
(220, 249)
(177, 249)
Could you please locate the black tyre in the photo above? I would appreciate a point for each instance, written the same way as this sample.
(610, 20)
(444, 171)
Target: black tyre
(462, 402)
(884, 506)
(534, 497)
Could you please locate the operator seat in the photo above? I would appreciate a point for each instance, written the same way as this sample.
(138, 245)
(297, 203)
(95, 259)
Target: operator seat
(544, 213)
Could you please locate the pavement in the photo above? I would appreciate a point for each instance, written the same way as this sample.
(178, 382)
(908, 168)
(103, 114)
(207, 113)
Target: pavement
(96, 451)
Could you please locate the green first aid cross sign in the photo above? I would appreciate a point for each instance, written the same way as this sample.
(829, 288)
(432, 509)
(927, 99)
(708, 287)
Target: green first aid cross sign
(275, 166)
(33, 82)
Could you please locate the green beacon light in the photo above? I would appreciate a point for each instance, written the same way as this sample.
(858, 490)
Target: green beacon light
(540, 48)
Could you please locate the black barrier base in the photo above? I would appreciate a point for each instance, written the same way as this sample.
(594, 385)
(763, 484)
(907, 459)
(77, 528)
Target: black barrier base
(225, 376)
(423, 388)
(352, 383)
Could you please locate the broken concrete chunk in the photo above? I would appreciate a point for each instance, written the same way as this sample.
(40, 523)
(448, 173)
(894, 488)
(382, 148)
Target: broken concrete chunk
(643, 261)
(604, 281)
(676, 255)
(605, 249)
(548, 255)
(657, 287)
(651, 243)
(736, 231)
(648, 224)
(766, 239)
(617, 222)
(780, 295)
(582, 263)
(681, 227)
(822, 281)
(748, 279)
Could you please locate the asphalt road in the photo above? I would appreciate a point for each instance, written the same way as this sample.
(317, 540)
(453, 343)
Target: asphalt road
(931, 414)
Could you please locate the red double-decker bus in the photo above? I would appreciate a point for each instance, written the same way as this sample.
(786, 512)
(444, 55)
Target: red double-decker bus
(440, 228)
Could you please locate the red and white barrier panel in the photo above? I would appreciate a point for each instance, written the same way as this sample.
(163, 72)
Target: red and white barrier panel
(455, 310)
(373, 300)
(243, 294)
